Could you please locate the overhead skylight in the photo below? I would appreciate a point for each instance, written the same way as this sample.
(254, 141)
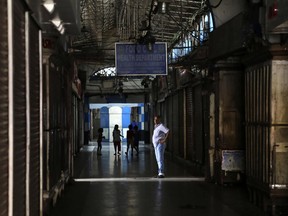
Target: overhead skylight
(106, 72)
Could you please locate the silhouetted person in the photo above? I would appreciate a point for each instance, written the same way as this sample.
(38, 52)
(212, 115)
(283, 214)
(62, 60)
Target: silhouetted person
(99, 140)
(136, 139)
(117, 139)
(130, 139)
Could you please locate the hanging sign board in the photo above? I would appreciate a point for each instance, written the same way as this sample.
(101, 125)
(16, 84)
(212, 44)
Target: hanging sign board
(138, 59)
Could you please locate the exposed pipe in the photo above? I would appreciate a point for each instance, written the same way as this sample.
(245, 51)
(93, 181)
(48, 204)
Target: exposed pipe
(11, 105)
(28, 110)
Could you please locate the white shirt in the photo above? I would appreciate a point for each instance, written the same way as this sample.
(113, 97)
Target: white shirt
(116, 136)
(159, 133)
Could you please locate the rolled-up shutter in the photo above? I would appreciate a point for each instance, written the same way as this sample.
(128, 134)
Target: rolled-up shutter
(3, 110)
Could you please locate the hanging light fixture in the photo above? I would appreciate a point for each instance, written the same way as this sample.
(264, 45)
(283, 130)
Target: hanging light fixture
(155, 6)
(149, 41)
(163, 6)
(59, 24)
(49, 5)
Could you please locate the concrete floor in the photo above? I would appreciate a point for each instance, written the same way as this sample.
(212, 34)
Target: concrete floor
(109, 185)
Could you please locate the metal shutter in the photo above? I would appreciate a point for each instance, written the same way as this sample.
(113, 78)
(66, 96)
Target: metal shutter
(176, 140)
(34, 168)
(198, 124)
(55, 116)
(58, 148)
(19, 109)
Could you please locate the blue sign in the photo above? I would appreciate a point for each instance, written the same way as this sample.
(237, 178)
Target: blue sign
(136, 59)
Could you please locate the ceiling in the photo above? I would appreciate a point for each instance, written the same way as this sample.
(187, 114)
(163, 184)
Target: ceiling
(93, 27)
(104, 22)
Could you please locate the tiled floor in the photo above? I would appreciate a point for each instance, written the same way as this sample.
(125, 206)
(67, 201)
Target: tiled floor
(109, 185)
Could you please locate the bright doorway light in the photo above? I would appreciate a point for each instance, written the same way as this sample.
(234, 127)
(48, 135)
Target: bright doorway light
(57, 22)
(49, 6)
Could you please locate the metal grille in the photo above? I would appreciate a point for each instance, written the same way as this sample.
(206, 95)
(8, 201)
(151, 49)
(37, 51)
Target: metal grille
(257, 102)
(3, 110)
(34, 183)
(19, 108)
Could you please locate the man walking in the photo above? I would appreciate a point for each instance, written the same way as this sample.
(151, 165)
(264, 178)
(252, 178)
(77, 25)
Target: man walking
(159, 137)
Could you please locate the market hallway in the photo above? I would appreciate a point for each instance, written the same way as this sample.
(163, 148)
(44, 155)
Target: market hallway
(125, 185)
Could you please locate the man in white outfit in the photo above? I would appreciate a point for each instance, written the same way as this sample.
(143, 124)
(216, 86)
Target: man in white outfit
(159, 138)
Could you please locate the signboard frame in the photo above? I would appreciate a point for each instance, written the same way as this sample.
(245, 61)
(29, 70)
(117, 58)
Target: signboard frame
(132, 59)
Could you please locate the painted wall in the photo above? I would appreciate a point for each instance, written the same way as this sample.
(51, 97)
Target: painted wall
(226, 10)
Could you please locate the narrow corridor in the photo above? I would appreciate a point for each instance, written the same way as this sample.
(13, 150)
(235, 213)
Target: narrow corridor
(108, 185)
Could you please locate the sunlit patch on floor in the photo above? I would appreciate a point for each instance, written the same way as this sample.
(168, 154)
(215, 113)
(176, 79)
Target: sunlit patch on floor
(140, 179)
(88, 148)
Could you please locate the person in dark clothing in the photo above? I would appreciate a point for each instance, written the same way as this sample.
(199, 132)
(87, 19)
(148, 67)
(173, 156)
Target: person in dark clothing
(136, 139)
(99, 140)
(117, 139)
(130, 139)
